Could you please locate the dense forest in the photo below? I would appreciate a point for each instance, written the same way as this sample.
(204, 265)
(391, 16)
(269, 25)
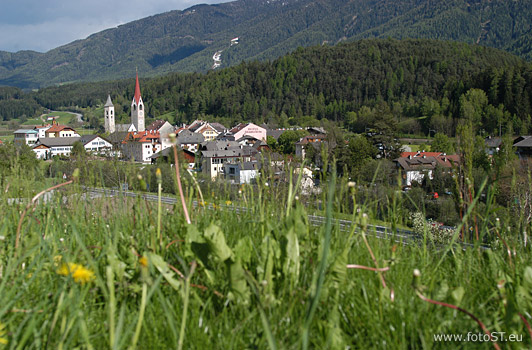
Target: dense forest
(421, 85)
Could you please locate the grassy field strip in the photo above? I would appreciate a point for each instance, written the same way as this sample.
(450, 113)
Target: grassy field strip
(401, 236)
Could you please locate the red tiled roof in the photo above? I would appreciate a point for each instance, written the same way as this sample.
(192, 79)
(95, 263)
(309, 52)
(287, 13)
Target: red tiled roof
(143, 137)
(57, 128)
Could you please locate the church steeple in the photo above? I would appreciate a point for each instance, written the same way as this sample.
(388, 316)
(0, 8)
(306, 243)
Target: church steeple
(109, 112)
(137, 90)
(137, 108)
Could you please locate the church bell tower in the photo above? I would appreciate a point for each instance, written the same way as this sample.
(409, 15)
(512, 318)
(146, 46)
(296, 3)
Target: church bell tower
(137, 108)
(109, 111)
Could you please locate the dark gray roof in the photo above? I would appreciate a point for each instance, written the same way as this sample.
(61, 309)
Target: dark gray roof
(316, 130)
(117, 137)
(275, 133)
(417, 163)
(190, 137)
(525, 142)
(109, 103)
(168, 152)
(219, 145)
(57, 141)
(218, 127)
(88, 138)
(122, 127)
(492, 142)
(250, 166)
(245, 151)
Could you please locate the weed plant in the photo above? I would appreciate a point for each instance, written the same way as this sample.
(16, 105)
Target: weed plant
(254, 273)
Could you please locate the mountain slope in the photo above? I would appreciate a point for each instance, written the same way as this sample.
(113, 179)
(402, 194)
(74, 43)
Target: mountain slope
(186, 40)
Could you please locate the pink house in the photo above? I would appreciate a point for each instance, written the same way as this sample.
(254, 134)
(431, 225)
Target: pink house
(248, 129)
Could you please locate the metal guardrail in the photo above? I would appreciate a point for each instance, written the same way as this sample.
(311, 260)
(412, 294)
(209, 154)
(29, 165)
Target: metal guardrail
(400, 236)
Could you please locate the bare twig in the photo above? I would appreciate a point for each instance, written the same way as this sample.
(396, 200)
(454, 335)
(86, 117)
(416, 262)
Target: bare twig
(185, 210)
(362, 267)
(381, 275)
(526, 324)
(454, 307)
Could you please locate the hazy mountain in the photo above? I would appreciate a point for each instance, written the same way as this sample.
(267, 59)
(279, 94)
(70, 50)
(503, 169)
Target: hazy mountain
(187, 40)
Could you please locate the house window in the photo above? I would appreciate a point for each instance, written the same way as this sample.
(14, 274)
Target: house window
(232, 171)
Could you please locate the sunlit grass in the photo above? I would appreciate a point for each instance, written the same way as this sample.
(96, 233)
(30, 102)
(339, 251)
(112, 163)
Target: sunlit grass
(246, 279)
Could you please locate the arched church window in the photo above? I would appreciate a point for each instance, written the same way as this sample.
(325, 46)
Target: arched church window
(134, 107)
(140, 107)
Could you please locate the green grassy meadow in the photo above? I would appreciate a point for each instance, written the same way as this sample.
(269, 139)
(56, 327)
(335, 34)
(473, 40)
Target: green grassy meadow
(124, 273)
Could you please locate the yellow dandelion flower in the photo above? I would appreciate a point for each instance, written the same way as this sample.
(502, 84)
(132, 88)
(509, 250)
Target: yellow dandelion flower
(79, 273)
(3, 333)
(143, 261)
(228, 202)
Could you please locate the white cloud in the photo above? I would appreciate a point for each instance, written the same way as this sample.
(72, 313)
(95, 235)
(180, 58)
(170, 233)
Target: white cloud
(43, 25)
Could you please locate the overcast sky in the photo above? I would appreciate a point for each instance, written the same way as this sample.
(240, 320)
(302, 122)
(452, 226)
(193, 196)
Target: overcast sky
(42, 25)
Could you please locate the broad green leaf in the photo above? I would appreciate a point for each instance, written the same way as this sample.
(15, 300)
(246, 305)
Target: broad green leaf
(163, 268)
(458, 294)
(237, 281)
(291, 257)
(216, 240)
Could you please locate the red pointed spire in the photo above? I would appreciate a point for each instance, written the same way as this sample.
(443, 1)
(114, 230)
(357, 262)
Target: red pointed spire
(137, 90)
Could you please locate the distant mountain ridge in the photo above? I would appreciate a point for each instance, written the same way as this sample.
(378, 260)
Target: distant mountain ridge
(187, 40)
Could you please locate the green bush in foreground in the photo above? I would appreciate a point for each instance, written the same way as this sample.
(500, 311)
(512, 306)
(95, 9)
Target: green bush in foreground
(104, 273)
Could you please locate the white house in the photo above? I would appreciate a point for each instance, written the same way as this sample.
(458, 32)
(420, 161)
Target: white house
(96, 144)
(209, 130)
(214, 160)
(42, 129)
(57, 130)
(140, 146)
(242, 173)
(25, 137)
(48, 147)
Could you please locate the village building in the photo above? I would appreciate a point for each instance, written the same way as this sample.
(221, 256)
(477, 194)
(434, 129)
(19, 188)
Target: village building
(48, 147)
(25, 137)
(168, 156)
(42, 129)
(140, 146)
(242, 173)
(164, 129)
(57, 130)
(96, 144)
(216, 154)
(309, 141)
(189, 140)
(523, 146)
(414, 166)
(210, 131)
(245, 129)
